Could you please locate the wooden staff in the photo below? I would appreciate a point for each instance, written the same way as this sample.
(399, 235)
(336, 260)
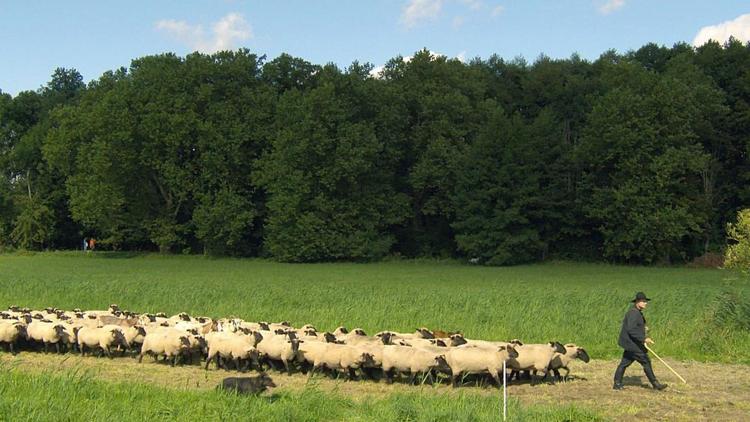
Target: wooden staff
(665, 364)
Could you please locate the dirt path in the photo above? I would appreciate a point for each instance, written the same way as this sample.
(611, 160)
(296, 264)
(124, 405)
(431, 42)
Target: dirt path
(715, 392)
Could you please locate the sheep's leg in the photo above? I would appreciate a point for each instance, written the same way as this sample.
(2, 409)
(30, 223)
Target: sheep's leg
(413, 378)
(107, 351)
(312, 370)
(82, 347)
(140, 355)
(454, 379)
(45, 347)
(12, 349)
(352, 374)
(174, 359)
(496, 377)
(287, 367)
(388, 375)
(208, 361)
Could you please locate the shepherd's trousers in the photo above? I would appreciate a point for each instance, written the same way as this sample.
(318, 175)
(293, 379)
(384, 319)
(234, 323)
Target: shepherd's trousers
(628, 358)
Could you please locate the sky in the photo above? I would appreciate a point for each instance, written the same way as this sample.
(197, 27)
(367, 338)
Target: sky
(95, 36)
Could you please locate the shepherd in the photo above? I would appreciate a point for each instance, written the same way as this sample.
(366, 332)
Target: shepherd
(633, 339)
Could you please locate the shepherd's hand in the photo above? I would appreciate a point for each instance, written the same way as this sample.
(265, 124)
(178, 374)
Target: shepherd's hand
(649, 341)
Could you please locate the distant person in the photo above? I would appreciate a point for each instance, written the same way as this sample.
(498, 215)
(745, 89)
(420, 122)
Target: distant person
(633, 339)
(92, 243)
(85, 244)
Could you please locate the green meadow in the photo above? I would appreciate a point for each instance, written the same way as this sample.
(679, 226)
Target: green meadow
(695, 314)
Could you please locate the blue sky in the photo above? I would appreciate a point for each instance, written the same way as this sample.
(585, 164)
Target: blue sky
(95, 36)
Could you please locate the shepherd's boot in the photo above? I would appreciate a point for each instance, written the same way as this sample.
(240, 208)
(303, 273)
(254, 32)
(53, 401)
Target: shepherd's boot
(652, 378)
(658, 386)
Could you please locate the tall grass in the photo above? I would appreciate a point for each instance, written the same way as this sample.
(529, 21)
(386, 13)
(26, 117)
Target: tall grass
(75, 396)
(581, 303)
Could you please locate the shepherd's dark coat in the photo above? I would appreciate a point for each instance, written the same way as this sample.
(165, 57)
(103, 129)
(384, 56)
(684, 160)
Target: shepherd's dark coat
(633, 331)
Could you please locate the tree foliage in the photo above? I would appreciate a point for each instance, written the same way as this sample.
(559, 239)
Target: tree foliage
(737, 254)
(638, 157)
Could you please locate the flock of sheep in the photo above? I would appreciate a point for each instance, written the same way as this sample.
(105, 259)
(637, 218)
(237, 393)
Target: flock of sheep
(233, 342)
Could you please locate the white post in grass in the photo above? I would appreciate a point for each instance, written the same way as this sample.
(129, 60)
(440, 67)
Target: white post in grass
(505, 394)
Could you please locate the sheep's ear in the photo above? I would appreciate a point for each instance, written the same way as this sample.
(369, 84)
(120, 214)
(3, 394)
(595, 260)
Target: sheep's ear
(570, 345)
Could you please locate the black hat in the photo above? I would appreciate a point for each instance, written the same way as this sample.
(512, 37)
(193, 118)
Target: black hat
(639, 297)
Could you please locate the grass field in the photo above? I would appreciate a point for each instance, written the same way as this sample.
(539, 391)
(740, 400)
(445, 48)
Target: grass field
(696, 314)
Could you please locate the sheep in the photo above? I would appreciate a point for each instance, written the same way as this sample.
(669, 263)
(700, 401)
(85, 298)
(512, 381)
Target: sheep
(444, 334)
(340, 331)
(104, 338)
(562, 360)
(339, 357)
(247, 385)
(133, 335)
(412, 360)
(278, 347)
(283, 325)
(534, 357)
(458, 339)
(477, 360)
(352, 336)
(11, 332)
(419, 333)
(165, 343)
(47, 333)
(232, 347)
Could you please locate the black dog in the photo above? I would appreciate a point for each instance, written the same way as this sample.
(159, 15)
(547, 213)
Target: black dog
(247, 385)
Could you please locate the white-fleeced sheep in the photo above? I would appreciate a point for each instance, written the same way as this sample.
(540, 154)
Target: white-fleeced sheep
(478, 360)
(10, 332)
(411, 360)
(103, 338)
(167, 344)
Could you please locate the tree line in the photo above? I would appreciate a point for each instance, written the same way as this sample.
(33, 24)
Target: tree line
(638, 157)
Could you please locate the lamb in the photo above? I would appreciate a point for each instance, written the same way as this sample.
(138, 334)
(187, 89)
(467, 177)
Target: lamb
(247, 385)
(164, 343)
(278, 347)
(562, 360)
(47, 333)
(477, 360)
(103, 338)
(534, 357)
(412, 360)
(11, 332)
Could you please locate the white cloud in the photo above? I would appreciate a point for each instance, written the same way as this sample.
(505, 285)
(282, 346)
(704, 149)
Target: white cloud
(497, 10)
(611, 6)
(458, 21)
(473, 4)
(375, 72)
(417, 11)
(225, 33)
(738, 28)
